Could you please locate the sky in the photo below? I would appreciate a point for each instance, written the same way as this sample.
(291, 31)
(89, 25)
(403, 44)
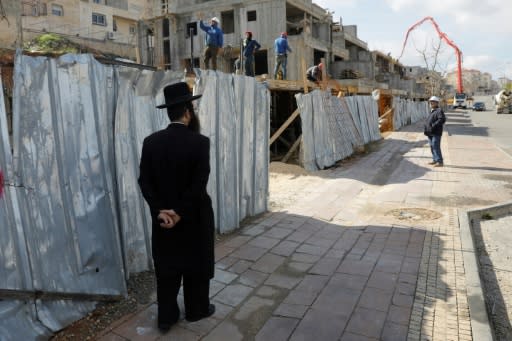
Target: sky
(482, 29)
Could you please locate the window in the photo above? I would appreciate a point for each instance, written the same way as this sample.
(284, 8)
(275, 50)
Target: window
(114, 25)
(192, 26)
(227, 20)
(251, 16)
(99, 19)
(57, 10)
(165, 27)
(132, 29)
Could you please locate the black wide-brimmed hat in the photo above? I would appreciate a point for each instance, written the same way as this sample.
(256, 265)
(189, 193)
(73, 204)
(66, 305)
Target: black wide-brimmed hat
(176, 94)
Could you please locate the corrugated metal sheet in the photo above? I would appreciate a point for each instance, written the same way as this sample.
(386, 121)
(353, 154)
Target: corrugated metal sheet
(234, 113)
(408, 112)
(332, 127)
(73, 209)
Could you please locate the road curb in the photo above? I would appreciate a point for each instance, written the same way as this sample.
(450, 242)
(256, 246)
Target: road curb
(480, 325)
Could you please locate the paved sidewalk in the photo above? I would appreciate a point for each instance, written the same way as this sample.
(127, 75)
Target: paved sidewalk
(368, 251)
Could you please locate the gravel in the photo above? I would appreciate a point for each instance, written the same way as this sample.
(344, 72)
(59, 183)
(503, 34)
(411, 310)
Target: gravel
(141, 291)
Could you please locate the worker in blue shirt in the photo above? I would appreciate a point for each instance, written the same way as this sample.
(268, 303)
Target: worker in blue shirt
(281, 49)
(250, 46)
(214, 40)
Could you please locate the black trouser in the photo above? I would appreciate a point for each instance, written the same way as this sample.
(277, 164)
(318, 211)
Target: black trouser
(195, 291)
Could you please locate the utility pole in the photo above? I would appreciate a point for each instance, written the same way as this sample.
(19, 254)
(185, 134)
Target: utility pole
(19, 28)
(191, 33)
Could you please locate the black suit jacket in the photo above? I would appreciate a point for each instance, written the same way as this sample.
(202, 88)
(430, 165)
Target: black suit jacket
(174, 170)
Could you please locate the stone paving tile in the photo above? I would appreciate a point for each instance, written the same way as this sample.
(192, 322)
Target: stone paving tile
(383, 280)
(233, 294)
(355, 337)
(300, 297)
(268, 263)
(285, 248)
(373, 298)
(236, 242)
(225, 331)
(282, 281)
(215, 287)
(304, 258)
(399, 315)
(142, 326)
(311, 249)
(300, 236)
(319, 325)
(394, 332)
(352, 282)
(367, 322)
(252, 306)
(204, 326)
(299, 267)
(225, 262)
(254, 231)
(277, 233)
(249, 252)
(312, 283)
(326, 266)
(224, 276)
(322, 242)
(240, 266)
(252, 278)
(264, 242)
(291, 310)
(178, 333)
(356, 267)
(277, 328)
(266, 291)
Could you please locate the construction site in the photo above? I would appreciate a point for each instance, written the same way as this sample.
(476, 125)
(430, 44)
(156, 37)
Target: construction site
(328, 223)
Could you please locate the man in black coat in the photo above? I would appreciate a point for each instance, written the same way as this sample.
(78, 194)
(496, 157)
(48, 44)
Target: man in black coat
(434, 130)
(174, 170)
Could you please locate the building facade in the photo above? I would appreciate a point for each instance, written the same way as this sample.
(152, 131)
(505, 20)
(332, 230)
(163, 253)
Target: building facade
(178, 40)
(109, 26)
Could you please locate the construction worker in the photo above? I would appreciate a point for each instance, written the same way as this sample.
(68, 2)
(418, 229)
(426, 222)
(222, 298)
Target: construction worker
(250, 47)
(281, 50)
(314, 73)
(214, 40)
(434, 130)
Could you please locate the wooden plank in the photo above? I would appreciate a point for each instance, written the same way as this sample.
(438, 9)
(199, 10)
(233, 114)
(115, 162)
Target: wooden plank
(324, 74)
(284, 126)
(44, 295)
(292, 149)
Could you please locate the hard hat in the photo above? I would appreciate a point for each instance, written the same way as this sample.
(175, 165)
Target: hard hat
(434, 99)
(321, 66)
(216, 20)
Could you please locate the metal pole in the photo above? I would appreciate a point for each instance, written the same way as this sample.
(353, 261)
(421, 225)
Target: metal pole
(191, 30)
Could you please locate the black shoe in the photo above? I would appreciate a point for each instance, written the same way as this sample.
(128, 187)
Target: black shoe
(211, 311)
(164, 327)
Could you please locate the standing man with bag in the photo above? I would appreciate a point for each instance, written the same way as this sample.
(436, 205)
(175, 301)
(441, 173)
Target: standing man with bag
(214, 40)
(434, 130)
(174, 171)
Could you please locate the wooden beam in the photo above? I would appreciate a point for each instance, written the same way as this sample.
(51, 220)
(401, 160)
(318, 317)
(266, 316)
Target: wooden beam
(292, 149)
(284, 126)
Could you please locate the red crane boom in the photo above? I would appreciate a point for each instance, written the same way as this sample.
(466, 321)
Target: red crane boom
(447, 40)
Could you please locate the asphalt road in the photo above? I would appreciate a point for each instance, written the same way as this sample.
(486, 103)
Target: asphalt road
(497, 127)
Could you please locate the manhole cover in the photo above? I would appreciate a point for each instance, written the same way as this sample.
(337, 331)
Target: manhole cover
(414, 214)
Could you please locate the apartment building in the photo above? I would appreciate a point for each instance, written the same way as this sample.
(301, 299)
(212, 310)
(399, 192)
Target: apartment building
(178, 39)
(474, 81)
(110, 26)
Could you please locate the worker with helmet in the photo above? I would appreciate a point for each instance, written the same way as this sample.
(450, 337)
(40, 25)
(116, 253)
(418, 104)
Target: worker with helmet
(434, 130)
(281, 49)
(250, 46)
(314, 73)
(214, 40)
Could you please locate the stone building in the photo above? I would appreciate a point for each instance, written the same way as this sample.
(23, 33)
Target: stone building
(109, 26)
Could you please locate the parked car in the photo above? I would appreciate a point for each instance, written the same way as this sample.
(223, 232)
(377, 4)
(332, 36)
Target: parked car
(478, 106)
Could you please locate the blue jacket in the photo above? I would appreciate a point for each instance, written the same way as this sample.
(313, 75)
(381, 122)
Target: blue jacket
(214, 35)
(281, 46)
(434, 123)
(250, 46)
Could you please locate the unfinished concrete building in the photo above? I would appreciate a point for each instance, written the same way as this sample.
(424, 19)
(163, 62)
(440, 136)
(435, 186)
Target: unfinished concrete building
(178, 38)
